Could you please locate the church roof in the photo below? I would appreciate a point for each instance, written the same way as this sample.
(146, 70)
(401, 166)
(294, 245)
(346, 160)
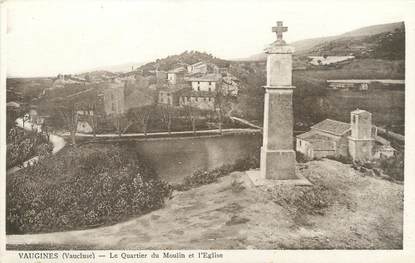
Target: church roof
(333, 127)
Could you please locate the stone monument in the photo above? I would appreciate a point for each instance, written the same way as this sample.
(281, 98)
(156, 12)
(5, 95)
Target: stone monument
(277, 152)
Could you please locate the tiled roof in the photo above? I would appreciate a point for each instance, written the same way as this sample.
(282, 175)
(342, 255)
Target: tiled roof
(198, 64)
(332, 127)
(207, 77)
(178, 70)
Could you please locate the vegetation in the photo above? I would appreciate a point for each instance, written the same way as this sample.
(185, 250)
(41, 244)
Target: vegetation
(394, 166)
(386, 45)
(82, 187)
(23, 145)
(188, 57)
(301, 201)
(203, 176)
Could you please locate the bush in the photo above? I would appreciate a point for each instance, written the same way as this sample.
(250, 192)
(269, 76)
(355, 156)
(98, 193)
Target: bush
(341, 159)
(203, 176)
(394, 166)
(301, 158)
(302, 201)
(82, 187)
(24, 145)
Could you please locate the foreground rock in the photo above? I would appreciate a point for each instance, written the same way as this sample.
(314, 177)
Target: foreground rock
(347, 211)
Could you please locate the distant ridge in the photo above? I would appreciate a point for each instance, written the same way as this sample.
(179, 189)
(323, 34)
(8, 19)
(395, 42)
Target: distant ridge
(302, 46)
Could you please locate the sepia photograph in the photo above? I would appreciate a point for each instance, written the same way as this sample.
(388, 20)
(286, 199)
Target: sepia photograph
(204, 125)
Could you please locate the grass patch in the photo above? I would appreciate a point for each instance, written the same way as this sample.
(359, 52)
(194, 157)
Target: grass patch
(302, 201)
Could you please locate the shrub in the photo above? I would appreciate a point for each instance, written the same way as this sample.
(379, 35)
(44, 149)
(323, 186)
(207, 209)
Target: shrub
(24, 145)
(341, 159)
(394, 166)
(204, 176)
(82, 187)
(301, 158)
(302, 201)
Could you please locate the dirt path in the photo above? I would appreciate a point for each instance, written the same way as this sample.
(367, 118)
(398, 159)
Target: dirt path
(364, 213)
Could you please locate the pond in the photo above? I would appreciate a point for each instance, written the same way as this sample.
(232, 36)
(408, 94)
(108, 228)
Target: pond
(176, 158)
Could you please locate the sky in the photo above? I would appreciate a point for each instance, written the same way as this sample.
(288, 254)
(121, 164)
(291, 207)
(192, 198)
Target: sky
(47, 38)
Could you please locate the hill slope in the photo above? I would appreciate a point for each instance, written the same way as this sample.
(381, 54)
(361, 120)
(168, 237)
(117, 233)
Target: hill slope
(233, 214)
(302, 47)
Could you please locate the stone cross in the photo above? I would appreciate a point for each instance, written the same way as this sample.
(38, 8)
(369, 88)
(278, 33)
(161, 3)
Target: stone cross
(279, 29)
(277, 153)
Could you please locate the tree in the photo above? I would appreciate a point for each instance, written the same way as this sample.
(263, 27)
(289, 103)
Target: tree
(167, 113)
(89, 111)
(191, 114)
(141, 116)
(222, 108)
(69, 114)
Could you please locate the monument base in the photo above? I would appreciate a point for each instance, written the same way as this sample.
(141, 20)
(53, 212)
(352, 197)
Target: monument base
(258, 180)
(277, 164)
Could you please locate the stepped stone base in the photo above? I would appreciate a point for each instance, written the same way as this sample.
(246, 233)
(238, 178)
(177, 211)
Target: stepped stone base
(258, 180)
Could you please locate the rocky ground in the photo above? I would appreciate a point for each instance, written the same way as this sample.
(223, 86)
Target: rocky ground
(343, 210)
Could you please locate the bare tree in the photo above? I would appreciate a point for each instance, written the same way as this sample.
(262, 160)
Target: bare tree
(222, 106)
(191, 113)
(141, 116)
(69, 114)
(167, 113)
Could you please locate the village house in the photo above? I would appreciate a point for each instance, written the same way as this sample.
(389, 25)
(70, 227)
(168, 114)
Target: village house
(176, 75)
(335, 138)
(200, 99)
(114, 101)
(202, 68)
(208, 82)
(170, 94)
(198, 87)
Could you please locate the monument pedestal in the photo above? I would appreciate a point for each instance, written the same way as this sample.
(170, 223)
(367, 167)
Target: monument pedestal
(278, 164)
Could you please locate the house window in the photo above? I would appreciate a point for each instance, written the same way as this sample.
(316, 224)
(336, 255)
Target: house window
(354, 118)
(210, 83)
(210, 89)
(198, 88)
(198, 82)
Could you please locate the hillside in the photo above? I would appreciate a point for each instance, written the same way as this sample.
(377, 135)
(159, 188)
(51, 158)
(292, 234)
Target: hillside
(183, 59)
(335, 213)
(303, 47)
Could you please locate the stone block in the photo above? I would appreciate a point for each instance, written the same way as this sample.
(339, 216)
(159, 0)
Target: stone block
(277, 164)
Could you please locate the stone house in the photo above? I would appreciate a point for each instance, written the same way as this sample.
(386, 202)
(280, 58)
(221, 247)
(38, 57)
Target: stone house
(202, 68)
(203, 100)
(114, 101)
(336, 138)
(170, 94)
(208, 82)
(176, 75)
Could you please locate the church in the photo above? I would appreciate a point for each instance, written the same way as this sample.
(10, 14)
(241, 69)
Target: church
(335, 138)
